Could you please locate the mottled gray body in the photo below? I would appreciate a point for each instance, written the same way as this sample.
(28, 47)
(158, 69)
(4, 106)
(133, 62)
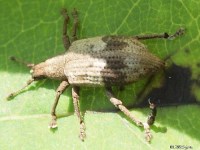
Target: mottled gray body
(110, 60)
(99, 61)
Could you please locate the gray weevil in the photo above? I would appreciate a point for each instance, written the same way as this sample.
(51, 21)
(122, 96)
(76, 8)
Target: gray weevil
(99, 61)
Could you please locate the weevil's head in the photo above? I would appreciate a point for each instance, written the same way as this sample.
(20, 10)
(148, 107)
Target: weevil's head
(38, 71)
(51, 68)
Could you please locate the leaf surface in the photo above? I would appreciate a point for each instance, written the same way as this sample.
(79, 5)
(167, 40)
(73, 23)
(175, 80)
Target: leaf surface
(31, 31)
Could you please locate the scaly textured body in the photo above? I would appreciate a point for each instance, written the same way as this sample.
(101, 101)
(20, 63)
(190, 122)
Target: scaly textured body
(108, 60)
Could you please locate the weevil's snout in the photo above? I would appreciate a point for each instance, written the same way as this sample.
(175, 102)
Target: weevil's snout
(38, 72)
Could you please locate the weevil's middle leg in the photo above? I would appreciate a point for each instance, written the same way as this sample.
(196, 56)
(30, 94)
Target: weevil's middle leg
(75, 96)
(165, 35)
(75, 25)
(119, 105)
(62, 87)
(65, 37)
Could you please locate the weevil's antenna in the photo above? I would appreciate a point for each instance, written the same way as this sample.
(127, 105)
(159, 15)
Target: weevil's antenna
(178, 33)
(19, 91)
(165, 35)
(29, 65)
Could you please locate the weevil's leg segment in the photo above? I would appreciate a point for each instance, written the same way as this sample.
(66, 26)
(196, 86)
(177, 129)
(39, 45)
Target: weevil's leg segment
(30, 65)
(65, 37)
(75, 25)
(62, 87)
(178, 33)
(75, 96)
(119, 105)
(150, 120)
(153, 113)
(12, 95)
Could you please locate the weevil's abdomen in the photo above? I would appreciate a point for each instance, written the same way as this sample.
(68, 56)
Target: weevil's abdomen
(110, 60)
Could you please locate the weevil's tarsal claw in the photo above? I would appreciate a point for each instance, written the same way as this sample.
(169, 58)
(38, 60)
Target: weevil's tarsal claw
(61, 88)
(63, 12)
(82, 134)
(178, 33)
(75, 25)
(12, 95)
(53, 123)
(74, 13)
(148, 135)
(150, 121)
(65, 37)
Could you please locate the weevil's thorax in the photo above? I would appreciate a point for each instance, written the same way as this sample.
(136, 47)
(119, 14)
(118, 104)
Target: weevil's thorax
(52, 68)
(109, 60)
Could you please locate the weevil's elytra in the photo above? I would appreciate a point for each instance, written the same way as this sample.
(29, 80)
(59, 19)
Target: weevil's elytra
(99, 61)
(100, 65)
(114, 43)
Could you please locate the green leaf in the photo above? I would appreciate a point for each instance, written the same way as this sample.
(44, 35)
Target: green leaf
(32, 31)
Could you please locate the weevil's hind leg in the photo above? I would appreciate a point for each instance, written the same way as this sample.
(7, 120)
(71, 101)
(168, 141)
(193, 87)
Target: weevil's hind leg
(150, 120)
(152, 116)
(120, 106)
(75, 25)
(75, 96)
(62, 87)
(12, 95)
(65, 37)
(178, 33)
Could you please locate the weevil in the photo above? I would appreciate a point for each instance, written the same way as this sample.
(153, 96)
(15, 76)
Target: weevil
(99, 61)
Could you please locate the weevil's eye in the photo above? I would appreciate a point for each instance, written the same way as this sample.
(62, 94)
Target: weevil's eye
(31, 71)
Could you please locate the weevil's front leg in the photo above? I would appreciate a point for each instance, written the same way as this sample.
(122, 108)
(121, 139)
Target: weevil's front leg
(62, 87)
(65, 37)
(120, 106)
(75, 25)
(165, 35)
(75, 96)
